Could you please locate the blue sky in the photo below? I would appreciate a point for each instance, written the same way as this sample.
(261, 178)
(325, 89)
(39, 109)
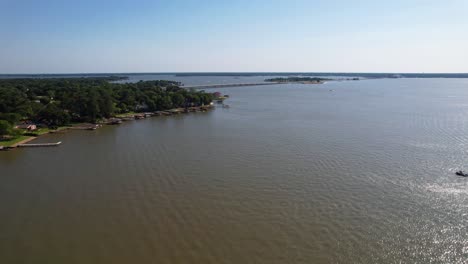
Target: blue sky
(61, 36)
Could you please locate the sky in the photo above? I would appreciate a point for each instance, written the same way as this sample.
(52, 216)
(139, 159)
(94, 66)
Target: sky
(122, 36)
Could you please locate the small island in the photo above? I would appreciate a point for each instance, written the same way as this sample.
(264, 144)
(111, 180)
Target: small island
(302, 80)
(30, 107)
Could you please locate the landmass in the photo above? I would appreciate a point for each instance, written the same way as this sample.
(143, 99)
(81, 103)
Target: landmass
(303, 80)
(31, 107)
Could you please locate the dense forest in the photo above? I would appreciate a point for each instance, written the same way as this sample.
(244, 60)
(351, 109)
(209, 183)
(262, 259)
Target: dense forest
(57, 102)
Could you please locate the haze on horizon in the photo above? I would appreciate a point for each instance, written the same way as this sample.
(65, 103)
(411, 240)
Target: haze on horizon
(62, 36)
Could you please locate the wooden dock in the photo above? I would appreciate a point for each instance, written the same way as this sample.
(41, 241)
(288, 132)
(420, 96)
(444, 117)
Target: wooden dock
(40, 145)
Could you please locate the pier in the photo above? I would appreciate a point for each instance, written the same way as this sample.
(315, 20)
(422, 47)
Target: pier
(40, 145)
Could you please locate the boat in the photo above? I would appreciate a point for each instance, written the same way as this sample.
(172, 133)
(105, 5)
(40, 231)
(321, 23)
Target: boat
(115, 121)
(225, 106)
(5, 148)
(461, 173)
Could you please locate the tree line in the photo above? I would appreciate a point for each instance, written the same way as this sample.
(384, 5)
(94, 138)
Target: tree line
(57, 102)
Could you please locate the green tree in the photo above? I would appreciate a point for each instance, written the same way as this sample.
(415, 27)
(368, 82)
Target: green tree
(106, 104)
(92, 107)
(53, 116)
(5, 128)
(12, 118)
(177, 100)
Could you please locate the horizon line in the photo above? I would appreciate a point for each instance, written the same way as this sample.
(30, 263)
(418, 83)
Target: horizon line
(231, 72)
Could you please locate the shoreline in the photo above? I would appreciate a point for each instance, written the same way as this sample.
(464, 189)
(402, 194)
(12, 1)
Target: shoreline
(115, 120)
(24, 141)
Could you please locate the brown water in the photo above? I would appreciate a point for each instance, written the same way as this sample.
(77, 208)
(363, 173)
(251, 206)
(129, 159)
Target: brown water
(288, 174)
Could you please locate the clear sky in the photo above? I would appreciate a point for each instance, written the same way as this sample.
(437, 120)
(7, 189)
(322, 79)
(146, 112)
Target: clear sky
(62, 36)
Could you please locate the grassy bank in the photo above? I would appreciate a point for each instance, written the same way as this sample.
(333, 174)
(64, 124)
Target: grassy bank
(127, 114)
(13, 141)
(45, 130)
(29, 135)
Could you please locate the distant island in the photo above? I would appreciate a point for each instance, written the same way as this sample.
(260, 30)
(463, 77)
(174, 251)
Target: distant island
(303, 80)
(32, 106)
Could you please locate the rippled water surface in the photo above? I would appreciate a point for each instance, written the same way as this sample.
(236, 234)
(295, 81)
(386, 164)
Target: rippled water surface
(346, 172)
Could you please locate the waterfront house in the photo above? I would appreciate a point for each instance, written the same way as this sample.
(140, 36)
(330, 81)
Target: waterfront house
(142, 106)
(28, 127)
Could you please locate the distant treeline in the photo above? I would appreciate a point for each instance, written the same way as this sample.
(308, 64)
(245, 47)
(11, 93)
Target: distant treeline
(298, 79)
(250, 74)
(328, 74)
(57, 102)
(109, 77)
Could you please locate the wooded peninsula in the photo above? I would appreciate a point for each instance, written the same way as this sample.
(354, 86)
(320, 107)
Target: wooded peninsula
(54, 102)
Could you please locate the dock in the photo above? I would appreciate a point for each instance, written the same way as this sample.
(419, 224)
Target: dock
(85, 126)
(40, 145)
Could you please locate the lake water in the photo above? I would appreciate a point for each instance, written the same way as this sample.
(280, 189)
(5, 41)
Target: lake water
(345, 172)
